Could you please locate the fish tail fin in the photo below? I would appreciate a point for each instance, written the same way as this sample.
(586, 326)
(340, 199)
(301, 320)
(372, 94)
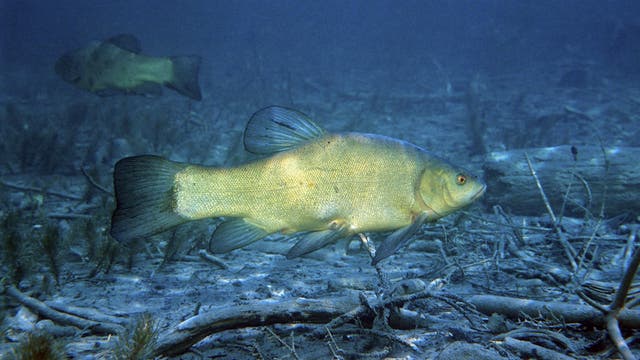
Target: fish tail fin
(185, 76)
(144, 197)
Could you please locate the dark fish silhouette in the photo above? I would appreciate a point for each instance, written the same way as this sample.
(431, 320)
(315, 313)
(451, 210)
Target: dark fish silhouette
(116, 66)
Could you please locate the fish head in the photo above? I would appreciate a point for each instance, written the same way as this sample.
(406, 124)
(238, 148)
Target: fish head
(69, 67)
(445, 188)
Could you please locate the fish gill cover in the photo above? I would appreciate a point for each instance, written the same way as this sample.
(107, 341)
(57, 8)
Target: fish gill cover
(538, 99)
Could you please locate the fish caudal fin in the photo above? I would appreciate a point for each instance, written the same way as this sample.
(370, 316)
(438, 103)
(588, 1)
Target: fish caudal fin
(185, 76)
(144, 197)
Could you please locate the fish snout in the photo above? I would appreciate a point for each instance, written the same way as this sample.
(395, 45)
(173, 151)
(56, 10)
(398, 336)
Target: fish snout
(68, 68)
(479, 193)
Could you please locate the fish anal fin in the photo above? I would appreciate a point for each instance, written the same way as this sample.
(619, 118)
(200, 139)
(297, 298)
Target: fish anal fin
(233, 234)
(316, 240)
(126, 42)
(398, 239)
(146, 88)
(275, 129)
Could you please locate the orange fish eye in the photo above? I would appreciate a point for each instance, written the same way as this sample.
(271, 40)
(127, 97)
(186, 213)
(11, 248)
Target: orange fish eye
(461, 179)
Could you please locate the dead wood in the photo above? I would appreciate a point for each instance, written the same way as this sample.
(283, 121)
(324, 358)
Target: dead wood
(333, 312)
(263, 313)
(550, 311)
(509, 181)
(40, 190)
(63, 318)
(529, 350)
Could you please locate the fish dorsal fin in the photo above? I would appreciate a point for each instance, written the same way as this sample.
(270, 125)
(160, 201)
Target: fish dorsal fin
(275, 129)
(126, 42)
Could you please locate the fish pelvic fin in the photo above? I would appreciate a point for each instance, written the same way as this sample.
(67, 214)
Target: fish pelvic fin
(144, 197)
(275, 129)
(398, 239)
(185, 76)
(316, 240)
(233, 234)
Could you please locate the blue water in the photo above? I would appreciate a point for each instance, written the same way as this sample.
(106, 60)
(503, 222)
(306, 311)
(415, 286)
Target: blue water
(474, 35)
(464, 79)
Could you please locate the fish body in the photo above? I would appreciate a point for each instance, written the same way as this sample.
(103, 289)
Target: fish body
(327, 186)
(365, 181)
(116, 66)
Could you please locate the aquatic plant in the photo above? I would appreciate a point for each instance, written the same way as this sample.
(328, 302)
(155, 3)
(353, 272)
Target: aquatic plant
(138, 340)
(51, 244)
(17, 253)
(99, 248)
(174, 244)
(104, 251)
(38, 346)
(33, 140)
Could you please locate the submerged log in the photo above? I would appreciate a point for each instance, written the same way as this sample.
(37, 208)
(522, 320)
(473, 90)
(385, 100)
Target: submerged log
(577, 178)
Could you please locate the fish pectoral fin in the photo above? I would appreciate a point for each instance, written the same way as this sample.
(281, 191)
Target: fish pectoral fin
(146, 88)
(275, 129)
(234, 234)
(398, 239)
(316, 240)
(126, 42)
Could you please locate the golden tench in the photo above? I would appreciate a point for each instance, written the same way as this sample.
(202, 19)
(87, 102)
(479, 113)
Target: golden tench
(116, 66)
(327, 186)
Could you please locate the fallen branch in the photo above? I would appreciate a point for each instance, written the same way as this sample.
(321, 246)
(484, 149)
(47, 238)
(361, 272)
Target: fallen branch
(568, 249)
(332, 311)
(551, 311)
(39, 190)
(69, 216)
(95, 183)
(529, 350)
(61, 318)
(617, 306)
(88, 313)
(263, 313)
(613, 314)
(611, 176)
(212, 259)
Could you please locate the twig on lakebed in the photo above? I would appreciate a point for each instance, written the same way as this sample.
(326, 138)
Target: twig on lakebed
(95, 183)
(551, 311)
(530, 350)
(568, 249)
(39, 190)
(69, 216)
(204, 255)
(62, 317)
(614, 313)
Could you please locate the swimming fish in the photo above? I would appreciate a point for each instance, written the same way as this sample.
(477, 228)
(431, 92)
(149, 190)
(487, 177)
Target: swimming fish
(324, 186)
(116, 66)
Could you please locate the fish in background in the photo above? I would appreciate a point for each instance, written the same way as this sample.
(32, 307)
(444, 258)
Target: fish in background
(115, 66)
(324, 186)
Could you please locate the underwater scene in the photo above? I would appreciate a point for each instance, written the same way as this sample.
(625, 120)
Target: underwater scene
(319, 179)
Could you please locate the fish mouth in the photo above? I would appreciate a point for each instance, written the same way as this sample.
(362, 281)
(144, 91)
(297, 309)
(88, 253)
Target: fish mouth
(479, 193)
